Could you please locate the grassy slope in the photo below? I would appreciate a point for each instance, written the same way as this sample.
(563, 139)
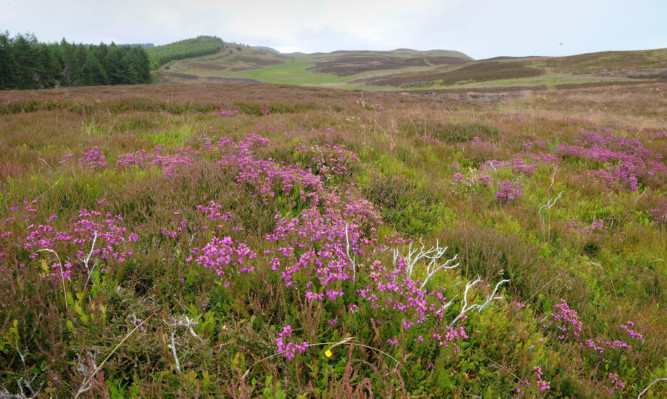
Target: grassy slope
(409, 150)
(607, 61)
(366, 71)
(250, 63)
(202, 45)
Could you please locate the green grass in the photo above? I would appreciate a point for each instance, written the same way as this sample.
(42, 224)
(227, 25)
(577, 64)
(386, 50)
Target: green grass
(293, 71)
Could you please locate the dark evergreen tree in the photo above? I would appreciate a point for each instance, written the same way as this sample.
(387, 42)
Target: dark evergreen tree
(70, 62)
(115, 67)
(51, 68)
(8, 65)
(93, 72)
(27, 64)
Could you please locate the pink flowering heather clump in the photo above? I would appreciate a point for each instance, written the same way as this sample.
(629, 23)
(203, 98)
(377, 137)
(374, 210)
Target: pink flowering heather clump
(659, 214)
(329, 160)
(93, 158)
(484, 180)
(318, 245)
(596, 225)
(168, 162)
(274, 183)
(566, 321)
(509, 191)
(520, 166)
(542, 384)
(73, 243)
(213, 212)
(138, 158)
(632, 333)
(449, 334)
(333, 243)
(180, 226)
(627, 163)
(286, 346)
(225, 257)
(617, 384)
(228, 112)
(601, 346)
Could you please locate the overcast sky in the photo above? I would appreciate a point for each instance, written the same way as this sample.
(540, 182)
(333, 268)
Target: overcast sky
(479, 28)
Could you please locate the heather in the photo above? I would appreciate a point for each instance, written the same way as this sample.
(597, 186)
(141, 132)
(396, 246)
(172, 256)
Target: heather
(229, 240)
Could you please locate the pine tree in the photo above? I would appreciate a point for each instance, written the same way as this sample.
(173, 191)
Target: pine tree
(7, 62)
(93, 73)
(70, 63)
(51, 69)
(28, 64)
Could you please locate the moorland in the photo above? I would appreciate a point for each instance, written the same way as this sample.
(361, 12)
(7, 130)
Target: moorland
(460, 229)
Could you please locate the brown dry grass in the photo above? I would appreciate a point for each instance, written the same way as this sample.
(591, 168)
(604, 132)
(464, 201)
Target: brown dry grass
(473, 72)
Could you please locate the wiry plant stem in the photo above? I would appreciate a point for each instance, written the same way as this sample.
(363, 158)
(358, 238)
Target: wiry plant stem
(87, 260)
(62, 274)
(90, 378)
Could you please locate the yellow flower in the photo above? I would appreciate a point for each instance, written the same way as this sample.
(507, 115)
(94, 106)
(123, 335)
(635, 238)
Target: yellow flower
(327, 353)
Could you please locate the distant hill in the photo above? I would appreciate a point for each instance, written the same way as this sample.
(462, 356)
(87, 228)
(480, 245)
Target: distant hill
(407, 69)
(269, 49)
(349, 63)
(266, 64)
(602, 67)
(202, 45)
(647, 64)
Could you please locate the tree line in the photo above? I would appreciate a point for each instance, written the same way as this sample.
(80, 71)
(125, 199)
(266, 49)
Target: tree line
(202, 45)
(27, 64)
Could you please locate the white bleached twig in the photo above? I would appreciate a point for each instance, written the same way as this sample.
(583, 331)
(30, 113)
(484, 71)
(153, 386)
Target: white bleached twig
(87, 260)
(465, 309)
(548, 205)
(187, 323)
(650, 385)
(432, 255)
(347, 250)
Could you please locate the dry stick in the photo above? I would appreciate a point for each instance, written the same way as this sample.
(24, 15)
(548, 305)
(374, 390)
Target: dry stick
(90, 378)
(87, 260)
(173, 351)
(354, 263)
(647, 388)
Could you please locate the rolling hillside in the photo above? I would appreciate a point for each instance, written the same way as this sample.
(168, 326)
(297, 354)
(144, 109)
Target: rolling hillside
(412, 70)
(262, 64)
